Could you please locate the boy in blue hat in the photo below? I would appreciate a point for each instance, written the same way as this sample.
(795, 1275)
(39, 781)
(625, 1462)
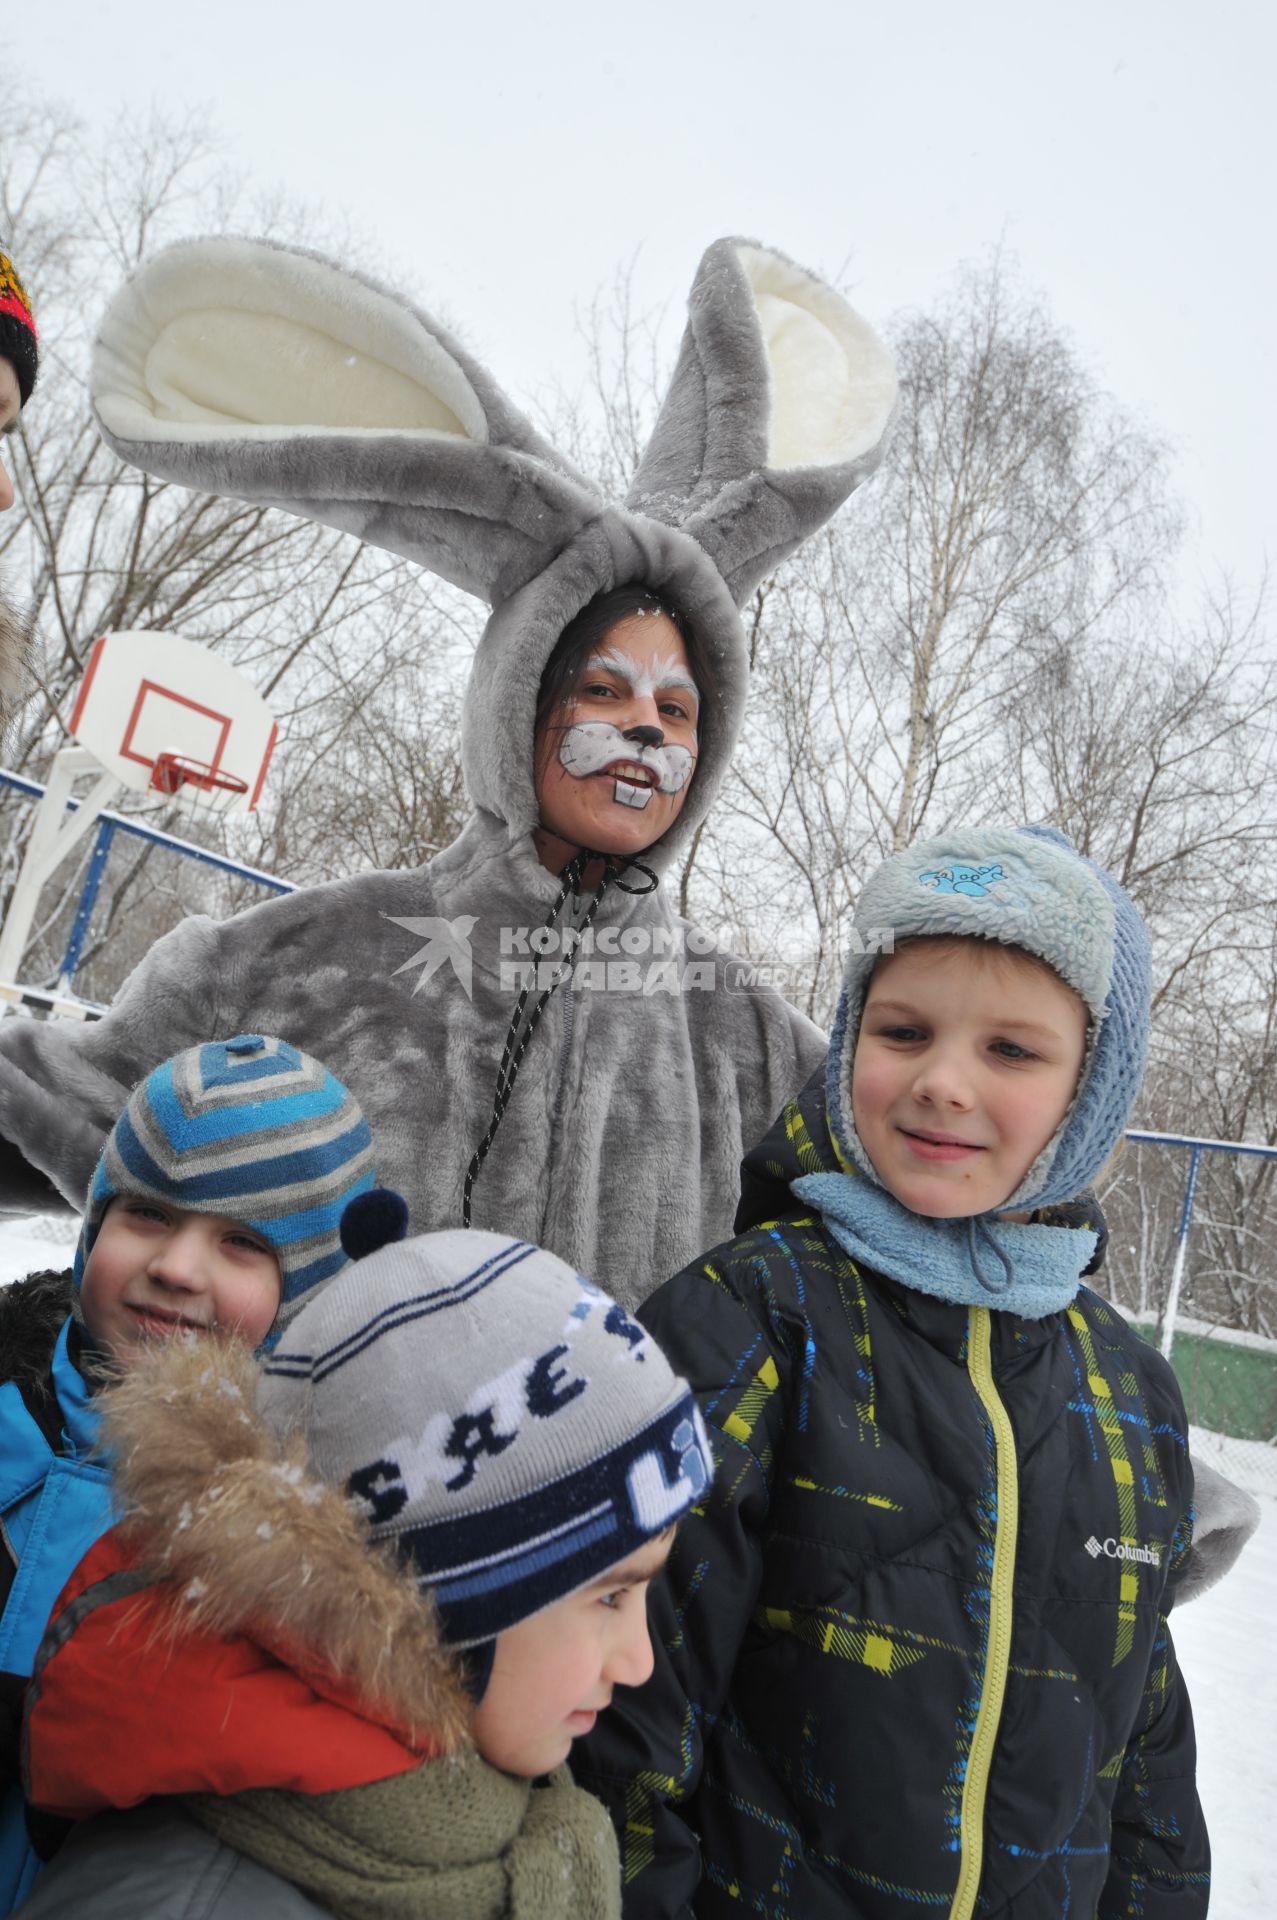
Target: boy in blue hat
(215, 1205)
(916, 1648)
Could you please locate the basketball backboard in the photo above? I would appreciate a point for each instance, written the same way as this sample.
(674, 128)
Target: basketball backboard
(149, 697)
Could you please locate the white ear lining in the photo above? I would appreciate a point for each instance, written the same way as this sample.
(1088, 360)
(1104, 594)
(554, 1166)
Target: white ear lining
(833, 384)
(232, 338)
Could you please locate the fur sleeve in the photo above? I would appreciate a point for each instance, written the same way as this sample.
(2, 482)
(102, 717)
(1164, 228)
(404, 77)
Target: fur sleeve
(62, 1087)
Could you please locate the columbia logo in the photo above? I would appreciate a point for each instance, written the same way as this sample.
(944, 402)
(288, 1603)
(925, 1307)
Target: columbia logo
(1123, 1550)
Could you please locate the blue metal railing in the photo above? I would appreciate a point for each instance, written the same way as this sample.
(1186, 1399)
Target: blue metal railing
(109, 825)
(1196, 1148)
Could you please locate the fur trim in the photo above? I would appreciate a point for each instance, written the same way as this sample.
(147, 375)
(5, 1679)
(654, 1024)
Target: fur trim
(1224, 1517)
(255, 1543)
(31, 1315)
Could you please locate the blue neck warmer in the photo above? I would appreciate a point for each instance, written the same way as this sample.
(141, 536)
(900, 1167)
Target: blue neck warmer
(978, 1262)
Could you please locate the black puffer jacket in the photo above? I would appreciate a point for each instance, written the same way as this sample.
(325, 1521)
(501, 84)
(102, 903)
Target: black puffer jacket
(916, 1653)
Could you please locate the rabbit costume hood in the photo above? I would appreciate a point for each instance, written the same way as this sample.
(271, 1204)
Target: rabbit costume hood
(267, 373)
(271, 375)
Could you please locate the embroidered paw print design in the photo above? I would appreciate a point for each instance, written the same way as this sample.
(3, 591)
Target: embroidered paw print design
(976, 882)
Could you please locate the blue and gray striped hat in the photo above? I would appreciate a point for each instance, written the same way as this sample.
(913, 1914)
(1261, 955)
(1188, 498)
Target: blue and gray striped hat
(251, 1128)
(509, 1428)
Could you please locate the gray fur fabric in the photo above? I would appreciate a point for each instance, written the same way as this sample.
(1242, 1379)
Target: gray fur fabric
(270, 374)
(621, 1147)
(273, 375)
(1224, 1517)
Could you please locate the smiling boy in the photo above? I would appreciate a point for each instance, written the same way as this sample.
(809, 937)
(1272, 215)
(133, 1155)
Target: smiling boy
(914, 1644)
(214, 1208)
(966, 1063)
(363, 1598)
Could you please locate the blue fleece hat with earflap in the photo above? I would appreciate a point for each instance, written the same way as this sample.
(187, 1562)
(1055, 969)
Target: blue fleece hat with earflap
(1024, 887)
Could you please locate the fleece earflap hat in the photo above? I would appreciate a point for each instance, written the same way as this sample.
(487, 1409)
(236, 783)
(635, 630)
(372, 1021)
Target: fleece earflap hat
(507, 1426)
(19, 342)
(251, 1128)
(1024, 887)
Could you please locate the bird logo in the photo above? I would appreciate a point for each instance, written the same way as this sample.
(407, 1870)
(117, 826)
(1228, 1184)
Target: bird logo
(447, 944)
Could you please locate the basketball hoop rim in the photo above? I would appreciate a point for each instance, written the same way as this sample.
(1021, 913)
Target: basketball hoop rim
(170, 772)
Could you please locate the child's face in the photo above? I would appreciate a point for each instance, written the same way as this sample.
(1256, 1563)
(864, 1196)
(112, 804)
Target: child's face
(966, 1063)
(155, 1269)
(553, 1675)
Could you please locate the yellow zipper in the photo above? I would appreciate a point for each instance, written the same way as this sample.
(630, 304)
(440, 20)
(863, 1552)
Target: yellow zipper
(998, 1651)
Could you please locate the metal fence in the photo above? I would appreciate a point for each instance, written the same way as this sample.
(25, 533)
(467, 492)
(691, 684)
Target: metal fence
(62, 1001)
(1228, 1377)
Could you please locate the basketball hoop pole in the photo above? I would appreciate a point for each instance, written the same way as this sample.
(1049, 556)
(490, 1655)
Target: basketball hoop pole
(54, 837)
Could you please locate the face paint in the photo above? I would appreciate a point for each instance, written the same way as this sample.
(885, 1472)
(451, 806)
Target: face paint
(651, 677)
(614, 768)
(591, 746)
(599, 745)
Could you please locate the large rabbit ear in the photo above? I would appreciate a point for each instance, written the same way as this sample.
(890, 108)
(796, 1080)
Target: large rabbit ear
(779, 408)
(267, 373)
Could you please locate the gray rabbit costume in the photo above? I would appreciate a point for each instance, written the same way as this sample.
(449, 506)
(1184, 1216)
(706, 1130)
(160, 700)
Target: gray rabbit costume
(271, 375)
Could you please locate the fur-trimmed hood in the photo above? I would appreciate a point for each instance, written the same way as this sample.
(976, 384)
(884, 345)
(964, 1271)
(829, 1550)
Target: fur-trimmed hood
(31, 1315)
(255, 1543)
(237, 1629)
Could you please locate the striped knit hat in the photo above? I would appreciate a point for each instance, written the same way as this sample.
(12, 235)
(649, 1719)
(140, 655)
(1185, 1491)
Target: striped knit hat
(504, 1423)
(1022, 887)
(18, 340)
(250, 1128)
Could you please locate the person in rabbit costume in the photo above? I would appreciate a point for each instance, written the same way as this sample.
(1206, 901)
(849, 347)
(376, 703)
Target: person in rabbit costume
(274, 376)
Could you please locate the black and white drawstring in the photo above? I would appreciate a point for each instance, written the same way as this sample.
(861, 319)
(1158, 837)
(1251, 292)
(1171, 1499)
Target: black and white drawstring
(519, 1034)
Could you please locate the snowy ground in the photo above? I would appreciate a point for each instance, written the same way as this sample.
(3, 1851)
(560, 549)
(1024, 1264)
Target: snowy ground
(1222, 1641)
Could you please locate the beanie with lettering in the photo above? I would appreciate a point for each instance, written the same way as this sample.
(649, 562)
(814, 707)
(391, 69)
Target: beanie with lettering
(505, 1424)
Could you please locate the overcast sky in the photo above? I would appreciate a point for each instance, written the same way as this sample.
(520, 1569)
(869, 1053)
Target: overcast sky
(508, 157)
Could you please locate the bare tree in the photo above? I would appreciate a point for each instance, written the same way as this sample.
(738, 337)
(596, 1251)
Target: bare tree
(346, 643)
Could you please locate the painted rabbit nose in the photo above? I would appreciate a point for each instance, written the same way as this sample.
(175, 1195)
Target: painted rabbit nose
(644, 736)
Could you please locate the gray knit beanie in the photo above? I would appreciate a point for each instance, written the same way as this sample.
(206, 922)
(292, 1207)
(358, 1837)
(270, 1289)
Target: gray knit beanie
(497, 1417)
(1023, 887)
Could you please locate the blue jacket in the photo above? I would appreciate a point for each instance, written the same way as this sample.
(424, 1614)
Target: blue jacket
(54, 1502)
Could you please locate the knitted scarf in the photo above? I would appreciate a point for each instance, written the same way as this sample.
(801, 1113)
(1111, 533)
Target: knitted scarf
(1029, 1269)
(451, 1840)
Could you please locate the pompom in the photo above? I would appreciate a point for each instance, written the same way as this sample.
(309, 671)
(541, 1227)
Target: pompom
(373, 1220)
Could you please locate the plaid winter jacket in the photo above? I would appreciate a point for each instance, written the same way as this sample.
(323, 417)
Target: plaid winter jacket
(913, 1652)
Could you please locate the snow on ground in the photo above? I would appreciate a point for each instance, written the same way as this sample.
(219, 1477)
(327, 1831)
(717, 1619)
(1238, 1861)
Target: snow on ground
(1222, 1640)
(1223, 1644)
(39, 1240)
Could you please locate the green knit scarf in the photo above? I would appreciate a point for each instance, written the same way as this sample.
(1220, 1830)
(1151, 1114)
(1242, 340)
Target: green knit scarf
(453, 1840)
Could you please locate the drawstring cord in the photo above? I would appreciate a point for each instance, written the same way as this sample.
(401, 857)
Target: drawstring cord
(1008, 1272)
(518, 1034)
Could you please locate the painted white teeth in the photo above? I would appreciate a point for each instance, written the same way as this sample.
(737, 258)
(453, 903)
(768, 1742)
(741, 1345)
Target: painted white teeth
(628, 794)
